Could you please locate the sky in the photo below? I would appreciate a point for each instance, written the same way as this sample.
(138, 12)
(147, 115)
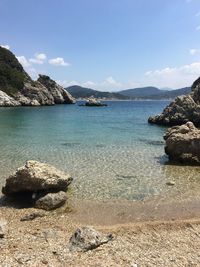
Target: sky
(107, 45)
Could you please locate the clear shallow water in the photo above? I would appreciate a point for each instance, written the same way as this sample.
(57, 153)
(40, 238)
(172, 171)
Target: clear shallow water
(112, 152)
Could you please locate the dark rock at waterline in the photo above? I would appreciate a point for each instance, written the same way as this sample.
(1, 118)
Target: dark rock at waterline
(183, 144)
(87, 238)
(183, 109)
(51, 201)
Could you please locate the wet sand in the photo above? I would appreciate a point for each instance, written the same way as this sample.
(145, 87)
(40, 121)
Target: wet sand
(123, 212)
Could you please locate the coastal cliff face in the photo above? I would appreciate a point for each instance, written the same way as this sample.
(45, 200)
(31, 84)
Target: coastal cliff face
(18, 89)
(183, 109)
(60, 95)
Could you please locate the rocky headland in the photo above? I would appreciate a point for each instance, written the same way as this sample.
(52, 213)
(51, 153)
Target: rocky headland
(183, 109)
(18, 89)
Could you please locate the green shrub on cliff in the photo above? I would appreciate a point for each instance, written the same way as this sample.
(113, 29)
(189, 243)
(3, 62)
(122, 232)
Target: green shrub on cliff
(12, 74)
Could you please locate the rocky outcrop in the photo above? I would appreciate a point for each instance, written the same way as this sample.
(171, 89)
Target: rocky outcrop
(18, 89)
(182, 109)
(92, 102)
(183, 144)
(60, 95)
(87, 238)
(43, 184)
(7, 101)
(35, 91)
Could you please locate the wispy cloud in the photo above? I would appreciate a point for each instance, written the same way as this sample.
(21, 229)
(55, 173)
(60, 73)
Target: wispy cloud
(175, 77)
(22, 59)
(197, 14)
(109, 84)
(5, 46)
(38, 59)
(172, 77)
(198, 28)
(193, 51)
(59, 61)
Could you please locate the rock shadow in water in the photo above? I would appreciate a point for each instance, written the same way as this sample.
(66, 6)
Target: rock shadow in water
(100, 145)
(152, 142)
(163, 160)
(71, 144)
(122, 177)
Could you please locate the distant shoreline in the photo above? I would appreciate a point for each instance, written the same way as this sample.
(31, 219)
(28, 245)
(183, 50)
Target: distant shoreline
(128, 100)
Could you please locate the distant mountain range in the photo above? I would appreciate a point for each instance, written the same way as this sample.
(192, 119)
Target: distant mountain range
(82, 92)
(135, 93)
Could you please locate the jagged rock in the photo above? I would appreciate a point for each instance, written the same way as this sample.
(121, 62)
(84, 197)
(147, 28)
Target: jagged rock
(87, 238)
(60, 95)
(35, 91)
(183, 109)
(51, 201)
(36, 176)
(183, 144)
(7, 101)
(3, 228)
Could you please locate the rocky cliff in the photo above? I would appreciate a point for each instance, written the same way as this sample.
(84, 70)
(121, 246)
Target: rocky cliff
(18, 89)
(183, 109)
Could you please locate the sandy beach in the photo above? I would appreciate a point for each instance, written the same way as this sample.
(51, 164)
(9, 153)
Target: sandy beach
(165, 235)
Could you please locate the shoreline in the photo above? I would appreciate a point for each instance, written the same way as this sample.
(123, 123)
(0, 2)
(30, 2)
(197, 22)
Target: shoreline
(159, 241)
(122, 212)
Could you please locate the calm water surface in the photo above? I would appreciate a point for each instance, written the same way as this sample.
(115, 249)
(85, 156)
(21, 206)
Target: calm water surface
(112, 152)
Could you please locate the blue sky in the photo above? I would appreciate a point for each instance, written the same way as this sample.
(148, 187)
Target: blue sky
(105, 44)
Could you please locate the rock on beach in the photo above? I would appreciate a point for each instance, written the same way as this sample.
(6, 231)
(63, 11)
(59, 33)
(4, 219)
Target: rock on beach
(45, 185)
(183, 144)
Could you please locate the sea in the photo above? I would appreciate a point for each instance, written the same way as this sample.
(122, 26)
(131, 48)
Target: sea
(111, 152)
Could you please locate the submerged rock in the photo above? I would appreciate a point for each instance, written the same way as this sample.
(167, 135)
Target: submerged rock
(170, 183)
(36, 176)
(51, 201)
(87, 238)
(183, 109)
(183, 144)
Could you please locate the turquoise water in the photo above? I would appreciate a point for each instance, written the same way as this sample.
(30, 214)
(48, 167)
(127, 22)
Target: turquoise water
(111, 152)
